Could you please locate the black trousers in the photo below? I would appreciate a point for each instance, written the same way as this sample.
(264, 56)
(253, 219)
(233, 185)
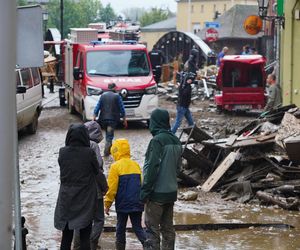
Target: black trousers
(67, 236)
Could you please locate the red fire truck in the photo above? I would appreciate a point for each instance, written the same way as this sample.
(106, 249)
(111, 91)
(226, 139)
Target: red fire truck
(90, 65)
(241, 82)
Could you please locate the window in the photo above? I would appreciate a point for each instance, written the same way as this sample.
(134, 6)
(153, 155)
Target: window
(196, 27)
(118, 63)
(26, 77)
(36, 76)
(202, 8)
(18, 78)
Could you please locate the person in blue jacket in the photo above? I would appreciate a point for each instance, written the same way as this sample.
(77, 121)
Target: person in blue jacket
(111, 109)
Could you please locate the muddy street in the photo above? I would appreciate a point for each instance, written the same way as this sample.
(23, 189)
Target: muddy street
(39, 176)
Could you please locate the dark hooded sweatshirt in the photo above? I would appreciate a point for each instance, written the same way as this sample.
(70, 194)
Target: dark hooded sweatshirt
(78, 170)
(162, 162)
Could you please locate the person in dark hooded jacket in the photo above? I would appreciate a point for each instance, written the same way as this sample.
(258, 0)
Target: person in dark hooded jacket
(159, 189)
(77, 193)
(96, 137)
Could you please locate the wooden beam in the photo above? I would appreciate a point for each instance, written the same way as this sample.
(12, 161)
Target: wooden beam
(219, 172)
(215, 226)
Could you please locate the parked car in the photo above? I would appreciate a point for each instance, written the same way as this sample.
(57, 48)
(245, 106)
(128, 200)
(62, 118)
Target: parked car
(29, 98)
(241, 82)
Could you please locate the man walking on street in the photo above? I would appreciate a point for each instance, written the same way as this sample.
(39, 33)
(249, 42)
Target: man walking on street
(111, 108)
(184, 101)
(274, 98)
(159, 189)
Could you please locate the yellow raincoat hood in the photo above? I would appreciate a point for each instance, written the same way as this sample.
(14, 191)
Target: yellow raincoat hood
(120, 149)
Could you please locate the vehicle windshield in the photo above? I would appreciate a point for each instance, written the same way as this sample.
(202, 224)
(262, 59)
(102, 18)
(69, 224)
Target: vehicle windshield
(118, 63)
(242, 75)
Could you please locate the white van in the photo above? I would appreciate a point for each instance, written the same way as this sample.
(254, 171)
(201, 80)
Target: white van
(29, 98)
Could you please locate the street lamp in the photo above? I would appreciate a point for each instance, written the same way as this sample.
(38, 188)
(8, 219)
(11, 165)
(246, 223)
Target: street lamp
(263, 6)
(45, 19)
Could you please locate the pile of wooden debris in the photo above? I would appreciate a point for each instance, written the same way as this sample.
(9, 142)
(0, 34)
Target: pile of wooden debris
(260, 162)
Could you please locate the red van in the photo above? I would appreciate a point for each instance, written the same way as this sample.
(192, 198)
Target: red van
(241, 82)
(89, 67)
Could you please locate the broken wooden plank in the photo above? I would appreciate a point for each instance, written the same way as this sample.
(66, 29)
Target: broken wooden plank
(266, 137)
(188, 180)
(214, 226)
(281, 202)
(274, 184)
(196, 133)
(247, 142)
(219, 172)
(197, 160)
(231, 140)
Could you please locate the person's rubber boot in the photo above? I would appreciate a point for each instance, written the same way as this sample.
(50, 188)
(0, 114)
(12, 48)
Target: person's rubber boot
(107, 148)
(94, 245)
(120, 246)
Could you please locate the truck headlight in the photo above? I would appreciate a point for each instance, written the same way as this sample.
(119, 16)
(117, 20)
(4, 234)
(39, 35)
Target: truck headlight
(94, 91)
(151, 90)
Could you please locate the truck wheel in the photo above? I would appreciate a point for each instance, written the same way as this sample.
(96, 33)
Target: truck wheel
(70, 107)
(32, 127)
(148, 123)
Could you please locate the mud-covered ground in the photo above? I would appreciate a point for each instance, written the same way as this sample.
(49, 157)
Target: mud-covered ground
(39, 175)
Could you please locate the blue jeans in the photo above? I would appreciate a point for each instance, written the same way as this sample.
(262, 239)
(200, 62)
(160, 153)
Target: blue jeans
(135, 218)
(182, 112)
(109, 126)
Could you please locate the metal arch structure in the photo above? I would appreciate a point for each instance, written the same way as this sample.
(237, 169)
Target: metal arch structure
(175, 43)
(54, 35)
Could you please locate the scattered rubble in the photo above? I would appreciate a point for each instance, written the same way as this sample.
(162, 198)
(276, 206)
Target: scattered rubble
(258, 163)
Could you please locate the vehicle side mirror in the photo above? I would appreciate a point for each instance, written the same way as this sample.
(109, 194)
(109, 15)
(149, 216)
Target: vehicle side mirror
(21, 89)
(77, 73)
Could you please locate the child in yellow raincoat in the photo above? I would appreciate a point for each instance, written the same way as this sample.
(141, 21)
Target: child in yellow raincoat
(124, 186)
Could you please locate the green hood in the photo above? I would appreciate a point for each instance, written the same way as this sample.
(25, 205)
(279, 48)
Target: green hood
(159, 121)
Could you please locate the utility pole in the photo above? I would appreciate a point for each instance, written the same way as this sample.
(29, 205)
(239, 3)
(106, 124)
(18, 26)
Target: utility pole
(8, 130)
(62, 19)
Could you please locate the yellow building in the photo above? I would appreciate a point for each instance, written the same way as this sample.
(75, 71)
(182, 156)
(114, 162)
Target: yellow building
(192, 14)
(290, 51)
(152, 33)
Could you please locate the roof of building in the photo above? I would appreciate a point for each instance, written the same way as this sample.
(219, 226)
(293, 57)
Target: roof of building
(165, 25)
(232, 21)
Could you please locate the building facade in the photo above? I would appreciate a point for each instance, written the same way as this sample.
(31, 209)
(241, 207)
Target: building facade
(290, 51)
(192, 14)
(152, 33)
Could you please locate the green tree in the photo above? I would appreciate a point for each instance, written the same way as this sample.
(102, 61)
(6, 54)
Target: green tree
(107, 14)
(154, 15)
(77, 14)
(133, 14)
(22, 2)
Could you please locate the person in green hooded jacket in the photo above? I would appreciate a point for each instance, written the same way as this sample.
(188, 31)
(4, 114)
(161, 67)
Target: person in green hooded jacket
(159, 189)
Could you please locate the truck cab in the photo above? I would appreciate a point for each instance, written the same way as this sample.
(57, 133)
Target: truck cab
(91, 66)
(241, 83)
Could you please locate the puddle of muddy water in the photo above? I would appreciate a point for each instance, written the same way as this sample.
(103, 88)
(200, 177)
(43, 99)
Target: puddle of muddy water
(40, 182)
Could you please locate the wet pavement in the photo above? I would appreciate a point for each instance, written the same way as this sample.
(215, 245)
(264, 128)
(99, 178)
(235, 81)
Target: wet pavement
(39, 174)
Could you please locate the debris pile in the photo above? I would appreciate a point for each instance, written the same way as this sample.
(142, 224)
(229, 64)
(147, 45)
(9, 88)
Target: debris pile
(258, 163)
(204, 86)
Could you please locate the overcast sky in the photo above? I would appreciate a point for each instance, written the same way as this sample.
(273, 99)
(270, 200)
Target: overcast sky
(119, 5)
